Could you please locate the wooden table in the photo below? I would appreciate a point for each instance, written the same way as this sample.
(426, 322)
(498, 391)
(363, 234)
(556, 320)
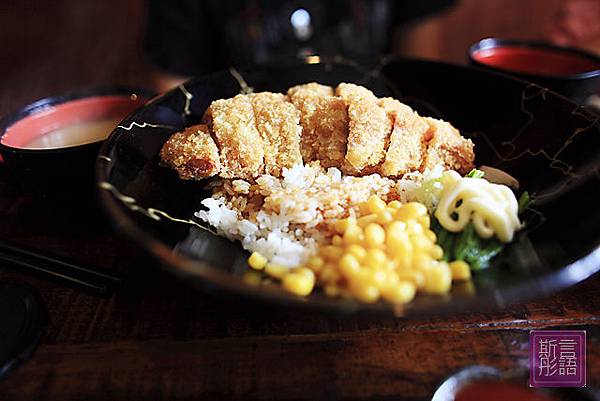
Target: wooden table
(157, 339)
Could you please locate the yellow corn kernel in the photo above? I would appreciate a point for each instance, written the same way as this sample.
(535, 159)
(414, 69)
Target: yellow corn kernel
(257, 261)
(336, 240)
(316, 263)
(398, 243)
(342, 225)
(374, 235)
(329, 275)
(379, 277)
(392, 278)
(331, 252)
(460, 270)
(363, 208)
(349, 266)
(411, 211)
(421, 243)
(304, 271)
(395, 229)
(385, 217)
(422, 262)
(390, 264)
(424, 221)
(275, 270)
(401, 293)
(353, 235)
(366, 220)
(404, 258)
(298, 284)
(431, 236)
(414, 276)
(376, 205)
(414, 228)
(332, 291)
(357, 251)
(363, 292)
(436, 252)
(395, 204)
(375, 258)
(438, 279)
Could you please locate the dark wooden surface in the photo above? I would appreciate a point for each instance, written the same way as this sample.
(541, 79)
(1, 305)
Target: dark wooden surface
(157, 339)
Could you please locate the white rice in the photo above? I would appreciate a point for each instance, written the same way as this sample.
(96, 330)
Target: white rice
(286, 218)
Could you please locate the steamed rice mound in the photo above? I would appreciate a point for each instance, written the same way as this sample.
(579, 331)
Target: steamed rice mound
(286, 218)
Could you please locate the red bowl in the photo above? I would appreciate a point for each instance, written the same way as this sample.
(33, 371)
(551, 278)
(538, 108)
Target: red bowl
(571, 72)
(67, 166)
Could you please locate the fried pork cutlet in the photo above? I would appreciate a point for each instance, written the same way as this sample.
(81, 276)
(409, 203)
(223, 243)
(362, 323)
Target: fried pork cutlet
(240, 144)
(192, 153)
(448, 148)
(324, 120)
(278, 123)
(407, 140)
(368, 129)
(248, 135)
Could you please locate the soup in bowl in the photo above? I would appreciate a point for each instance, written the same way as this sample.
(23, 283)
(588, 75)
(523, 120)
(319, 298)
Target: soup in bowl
(50, 146)
(568, 71)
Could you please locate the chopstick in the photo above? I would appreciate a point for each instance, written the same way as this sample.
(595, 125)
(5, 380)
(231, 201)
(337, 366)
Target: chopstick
(99, 283)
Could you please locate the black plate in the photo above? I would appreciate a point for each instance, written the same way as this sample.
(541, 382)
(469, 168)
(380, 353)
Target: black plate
(551, 145)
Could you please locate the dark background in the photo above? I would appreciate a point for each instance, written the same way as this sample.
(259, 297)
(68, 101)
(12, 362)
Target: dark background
(49, 47)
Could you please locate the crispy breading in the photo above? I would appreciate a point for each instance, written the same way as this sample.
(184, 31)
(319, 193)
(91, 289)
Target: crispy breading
(368, 129)
(329, 122)
(447, 147)
(310, 89)
(192, 153)
(407, 140)
(324, 120)
(349, 92)
(240, 144)
(278, 123)
(248, 135)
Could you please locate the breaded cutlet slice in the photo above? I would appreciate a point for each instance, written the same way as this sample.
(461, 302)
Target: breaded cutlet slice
(350, 92)
(448, 148)
(324, 120)
(407, 140)
(192, 153)
(368, 129)
(278, 123)
(310, 89)
(239, 142)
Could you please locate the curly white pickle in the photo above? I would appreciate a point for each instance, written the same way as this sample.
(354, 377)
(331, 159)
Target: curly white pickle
(492, 208)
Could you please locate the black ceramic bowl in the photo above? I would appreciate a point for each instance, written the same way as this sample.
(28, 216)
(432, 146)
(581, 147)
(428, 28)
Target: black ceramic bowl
(571, 72)
(548, 143)
(46, 163)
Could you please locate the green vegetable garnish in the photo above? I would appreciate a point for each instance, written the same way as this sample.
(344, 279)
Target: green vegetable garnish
(475, 174)
(524, 201)
(467, 245)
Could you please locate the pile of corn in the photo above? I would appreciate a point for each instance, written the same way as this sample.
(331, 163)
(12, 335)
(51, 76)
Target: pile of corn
(387, 252)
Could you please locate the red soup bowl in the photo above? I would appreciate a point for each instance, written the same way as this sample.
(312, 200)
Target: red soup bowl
(50, 146)
(568, 71)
